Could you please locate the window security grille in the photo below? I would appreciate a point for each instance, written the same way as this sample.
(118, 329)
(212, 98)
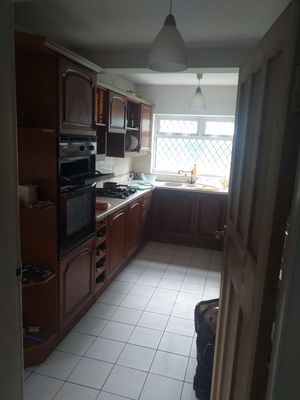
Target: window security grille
(182, 141)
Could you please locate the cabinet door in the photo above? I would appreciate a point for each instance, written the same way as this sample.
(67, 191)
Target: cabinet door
(77, 98)
(173, 216)
(210, 212)
(134, 227)
(76, 281)
(146, 126)
(117, 113)
(146, 216)
(116, 241)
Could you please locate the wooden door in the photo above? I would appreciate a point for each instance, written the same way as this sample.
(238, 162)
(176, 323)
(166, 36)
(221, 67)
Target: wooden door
(117, 113)
(134, 227)
(264, 160)
(117, 224)
(77, 98)
(146, 125)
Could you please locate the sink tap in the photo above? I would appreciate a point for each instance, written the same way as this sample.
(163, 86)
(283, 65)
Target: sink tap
(187, 172)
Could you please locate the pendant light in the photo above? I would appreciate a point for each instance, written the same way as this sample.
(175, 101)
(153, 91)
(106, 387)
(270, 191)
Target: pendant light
(198, 100)
(168, 52)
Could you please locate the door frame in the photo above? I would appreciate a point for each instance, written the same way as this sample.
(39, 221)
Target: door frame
(283, 381)
(11, 371)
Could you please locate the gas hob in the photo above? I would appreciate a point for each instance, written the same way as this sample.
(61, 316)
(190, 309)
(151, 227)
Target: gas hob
(117, 193)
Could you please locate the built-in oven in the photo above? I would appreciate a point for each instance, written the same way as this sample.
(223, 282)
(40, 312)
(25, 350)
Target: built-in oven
(77, 160)
(77, 191)
(77, 216)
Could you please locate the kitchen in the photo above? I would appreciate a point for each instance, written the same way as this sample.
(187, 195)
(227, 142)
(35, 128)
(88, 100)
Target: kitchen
(130, 168)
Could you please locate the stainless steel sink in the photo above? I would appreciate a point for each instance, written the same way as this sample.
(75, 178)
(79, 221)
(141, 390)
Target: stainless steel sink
(173, 184)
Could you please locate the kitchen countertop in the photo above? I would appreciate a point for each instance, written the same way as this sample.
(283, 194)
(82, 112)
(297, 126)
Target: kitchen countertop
(115, 204)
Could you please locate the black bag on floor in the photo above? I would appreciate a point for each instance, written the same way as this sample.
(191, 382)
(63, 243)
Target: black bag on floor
(206, 313)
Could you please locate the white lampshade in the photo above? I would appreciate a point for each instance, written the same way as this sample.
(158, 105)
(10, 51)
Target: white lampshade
(168, 52)
(198, 101)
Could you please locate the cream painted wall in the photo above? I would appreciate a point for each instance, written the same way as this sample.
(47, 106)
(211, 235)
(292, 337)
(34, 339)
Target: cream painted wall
(220, 100)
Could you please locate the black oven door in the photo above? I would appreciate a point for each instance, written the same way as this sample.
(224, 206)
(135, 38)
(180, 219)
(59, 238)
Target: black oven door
(76, 216)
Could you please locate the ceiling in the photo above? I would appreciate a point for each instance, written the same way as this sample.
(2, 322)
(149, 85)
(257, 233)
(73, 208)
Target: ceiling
(211, 77)
(117, 34)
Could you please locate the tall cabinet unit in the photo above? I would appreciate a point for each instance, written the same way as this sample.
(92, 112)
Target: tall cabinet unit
(38, 230)
(55, 96)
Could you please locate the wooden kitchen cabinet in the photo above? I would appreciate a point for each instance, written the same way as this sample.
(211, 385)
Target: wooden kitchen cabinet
(146, 216)
(173, 216)
(53, 91)
(77, 270)
(146, 126)
(187, 218)
(117, 228)
(101, 120)
(210, 212)
(117, 113)
(77, 98)
(134, 227)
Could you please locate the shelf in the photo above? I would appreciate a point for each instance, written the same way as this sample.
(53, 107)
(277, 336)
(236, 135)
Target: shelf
(100, 225)
(98, 242)
(37, 339)
(99, 271)
(100, 124)
(129, 128)
(98, 258)
(44, 282)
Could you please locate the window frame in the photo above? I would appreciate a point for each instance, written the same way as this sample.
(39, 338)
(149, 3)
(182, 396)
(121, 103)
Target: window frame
(201, 119)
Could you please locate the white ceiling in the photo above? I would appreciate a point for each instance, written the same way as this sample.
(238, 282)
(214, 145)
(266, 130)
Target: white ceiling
(131, 24)
(209, 78)
(119, 33)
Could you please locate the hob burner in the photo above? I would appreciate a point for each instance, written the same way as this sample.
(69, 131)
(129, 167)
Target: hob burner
(117, 193)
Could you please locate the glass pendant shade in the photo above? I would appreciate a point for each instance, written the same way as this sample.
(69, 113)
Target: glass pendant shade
(168, 52)
(198, 100)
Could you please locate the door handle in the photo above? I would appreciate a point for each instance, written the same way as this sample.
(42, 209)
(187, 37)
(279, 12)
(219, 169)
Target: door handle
(219, 234)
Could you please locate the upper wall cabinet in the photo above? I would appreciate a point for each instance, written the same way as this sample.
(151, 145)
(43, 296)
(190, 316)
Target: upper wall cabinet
(117, 113)
(54, 92)
(146, 126)
(129, 127)
(77, 98)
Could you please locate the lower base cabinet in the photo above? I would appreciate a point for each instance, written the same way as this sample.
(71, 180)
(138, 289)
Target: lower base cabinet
(117, 223)
(189, 218)
(76, 282)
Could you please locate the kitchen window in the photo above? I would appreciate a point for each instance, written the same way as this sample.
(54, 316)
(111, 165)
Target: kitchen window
(180, 141)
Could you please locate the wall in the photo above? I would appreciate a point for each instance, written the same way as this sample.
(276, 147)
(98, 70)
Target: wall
(220, 100)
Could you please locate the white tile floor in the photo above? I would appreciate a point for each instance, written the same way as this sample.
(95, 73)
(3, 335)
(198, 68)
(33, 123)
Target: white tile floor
(137, 341)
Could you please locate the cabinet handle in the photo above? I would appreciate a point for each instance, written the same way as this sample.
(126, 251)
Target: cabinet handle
(219, 234)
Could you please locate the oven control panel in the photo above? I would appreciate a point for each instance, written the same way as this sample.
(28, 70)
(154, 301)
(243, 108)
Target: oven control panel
(69, 146)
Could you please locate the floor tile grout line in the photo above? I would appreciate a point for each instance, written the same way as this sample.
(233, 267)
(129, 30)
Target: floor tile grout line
(136, 325)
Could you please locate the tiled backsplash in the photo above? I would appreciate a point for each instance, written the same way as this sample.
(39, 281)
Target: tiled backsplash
(118, 166)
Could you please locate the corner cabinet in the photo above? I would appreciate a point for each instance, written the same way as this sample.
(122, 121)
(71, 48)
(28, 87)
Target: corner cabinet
(187, 218)
(76, 282)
